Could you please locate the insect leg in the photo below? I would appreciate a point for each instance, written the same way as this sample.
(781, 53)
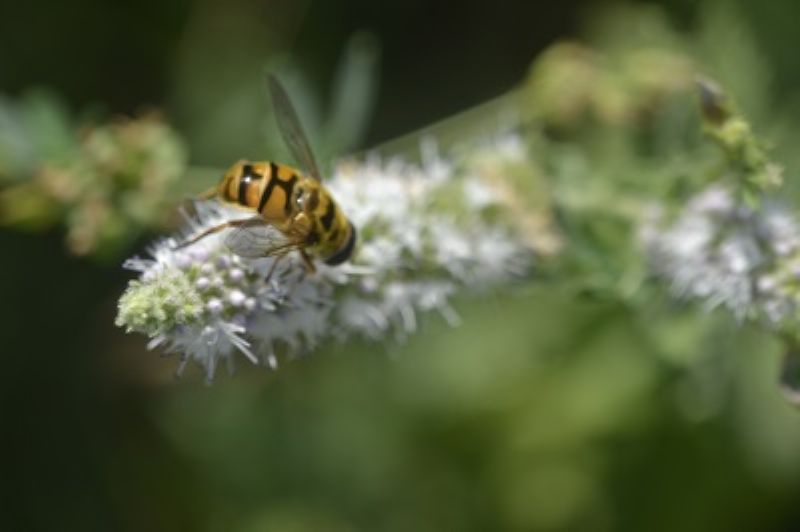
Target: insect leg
(307, 261)
(210, 193)
(279, 252)
(211, 230)
(274, 266)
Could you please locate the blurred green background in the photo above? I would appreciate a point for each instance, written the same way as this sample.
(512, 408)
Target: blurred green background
(543, 411)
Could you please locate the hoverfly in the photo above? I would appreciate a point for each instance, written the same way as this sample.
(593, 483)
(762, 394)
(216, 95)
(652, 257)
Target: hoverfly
(294, 210)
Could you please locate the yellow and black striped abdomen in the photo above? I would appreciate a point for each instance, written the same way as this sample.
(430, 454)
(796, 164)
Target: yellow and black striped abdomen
(264, 187)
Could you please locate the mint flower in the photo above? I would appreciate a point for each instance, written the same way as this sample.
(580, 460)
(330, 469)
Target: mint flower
(725, 253)
(427, 231)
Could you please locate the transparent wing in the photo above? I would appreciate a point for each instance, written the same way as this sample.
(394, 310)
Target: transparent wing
(256, 238)
(290, 127)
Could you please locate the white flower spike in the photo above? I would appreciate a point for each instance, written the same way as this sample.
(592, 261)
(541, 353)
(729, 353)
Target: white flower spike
(724, 253)
(423, 237)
